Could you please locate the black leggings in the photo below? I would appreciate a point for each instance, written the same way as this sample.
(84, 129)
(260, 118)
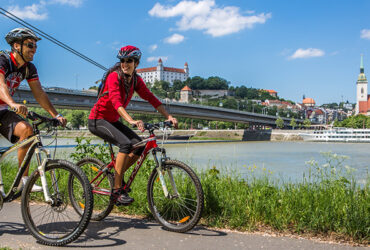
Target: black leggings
(117, 134)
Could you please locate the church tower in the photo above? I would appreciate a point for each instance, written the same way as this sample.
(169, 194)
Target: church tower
(361, 97)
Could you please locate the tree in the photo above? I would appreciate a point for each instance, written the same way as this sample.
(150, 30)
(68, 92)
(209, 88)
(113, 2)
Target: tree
(77, 118)
(178, 85)
(306, 123)
(293, 123)
(279, 122)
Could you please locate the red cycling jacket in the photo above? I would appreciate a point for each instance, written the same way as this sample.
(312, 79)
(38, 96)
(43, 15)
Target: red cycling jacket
(106, 107)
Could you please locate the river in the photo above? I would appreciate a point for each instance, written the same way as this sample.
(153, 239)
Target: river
(284, 160)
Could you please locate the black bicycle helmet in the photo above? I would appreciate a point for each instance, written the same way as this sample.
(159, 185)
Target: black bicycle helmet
(19, 35)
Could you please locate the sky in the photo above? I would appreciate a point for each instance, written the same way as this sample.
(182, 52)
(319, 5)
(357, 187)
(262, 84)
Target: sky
(295, 47)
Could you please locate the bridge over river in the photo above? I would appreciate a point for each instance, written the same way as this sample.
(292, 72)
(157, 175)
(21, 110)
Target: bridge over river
(75, 99)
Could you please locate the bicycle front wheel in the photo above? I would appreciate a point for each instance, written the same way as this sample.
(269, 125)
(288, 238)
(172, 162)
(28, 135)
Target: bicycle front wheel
(101, 187)
(56, 223)
(180, 209)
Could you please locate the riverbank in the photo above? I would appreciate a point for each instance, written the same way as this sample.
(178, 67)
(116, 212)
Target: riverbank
(212, 135)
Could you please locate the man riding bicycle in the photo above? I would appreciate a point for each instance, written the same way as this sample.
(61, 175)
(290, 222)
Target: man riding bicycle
(119, 84)
(14, 68)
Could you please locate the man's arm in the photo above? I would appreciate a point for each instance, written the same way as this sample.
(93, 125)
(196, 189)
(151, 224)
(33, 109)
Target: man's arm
(7, 98)
(43, 99)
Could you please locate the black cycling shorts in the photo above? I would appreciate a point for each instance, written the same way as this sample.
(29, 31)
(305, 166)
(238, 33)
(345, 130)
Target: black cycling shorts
(117, 134)
(8, 121)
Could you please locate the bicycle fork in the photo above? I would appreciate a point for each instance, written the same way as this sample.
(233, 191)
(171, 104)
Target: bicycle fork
(41, 168)
(160, 168)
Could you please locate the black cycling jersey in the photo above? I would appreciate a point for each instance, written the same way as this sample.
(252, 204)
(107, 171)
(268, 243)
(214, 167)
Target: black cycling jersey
(14, 75)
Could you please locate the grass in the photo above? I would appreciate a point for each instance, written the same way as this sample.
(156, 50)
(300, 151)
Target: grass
(328, 201)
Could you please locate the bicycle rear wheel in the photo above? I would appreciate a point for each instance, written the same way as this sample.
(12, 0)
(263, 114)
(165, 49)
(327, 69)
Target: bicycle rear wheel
(180, 211)
(56, 223)
(101, 188)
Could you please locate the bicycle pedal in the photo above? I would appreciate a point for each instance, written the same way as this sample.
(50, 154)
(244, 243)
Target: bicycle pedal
(123, 204)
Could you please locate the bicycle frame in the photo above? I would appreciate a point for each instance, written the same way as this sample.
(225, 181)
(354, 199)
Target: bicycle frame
(150, 145)
(35, 147)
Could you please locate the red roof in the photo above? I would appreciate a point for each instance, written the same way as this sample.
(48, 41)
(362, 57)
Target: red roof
(186, 88)
(319, 112)
(270, 91)
(308, 101)
(152, 69)
(146, 69)
(174, 70)
(363, 107)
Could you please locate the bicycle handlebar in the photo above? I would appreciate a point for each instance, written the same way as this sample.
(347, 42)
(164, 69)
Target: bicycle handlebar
(52, 121)
(33, 116)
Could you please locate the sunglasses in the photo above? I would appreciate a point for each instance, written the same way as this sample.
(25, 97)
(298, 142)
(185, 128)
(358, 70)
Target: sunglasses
(31, 45)
(129, 60)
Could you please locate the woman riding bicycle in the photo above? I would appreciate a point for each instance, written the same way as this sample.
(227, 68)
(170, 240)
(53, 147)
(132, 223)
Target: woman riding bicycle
(119, 84)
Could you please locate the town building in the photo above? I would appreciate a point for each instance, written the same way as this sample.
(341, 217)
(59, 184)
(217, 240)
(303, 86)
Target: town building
(308, 102)
(362, 97)
(161, 73)
(211, 93)
(185, 94)
(271, 92)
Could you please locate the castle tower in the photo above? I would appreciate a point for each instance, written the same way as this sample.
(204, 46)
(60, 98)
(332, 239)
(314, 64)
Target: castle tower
(361, 97)
(186, 69)
(160, 69)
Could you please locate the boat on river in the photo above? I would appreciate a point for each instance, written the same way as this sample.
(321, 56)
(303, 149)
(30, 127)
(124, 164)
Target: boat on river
(338, 135)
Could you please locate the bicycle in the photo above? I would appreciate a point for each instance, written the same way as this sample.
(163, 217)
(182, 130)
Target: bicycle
(46, 214)
(174, 192)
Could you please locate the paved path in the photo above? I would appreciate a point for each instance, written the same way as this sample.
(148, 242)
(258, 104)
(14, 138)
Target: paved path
(127, 233)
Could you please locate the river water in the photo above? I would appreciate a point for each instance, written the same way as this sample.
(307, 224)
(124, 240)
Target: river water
(284, 160)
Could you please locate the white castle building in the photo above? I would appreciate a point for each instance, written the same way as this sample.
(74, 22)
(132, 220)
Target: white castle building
(160, 73)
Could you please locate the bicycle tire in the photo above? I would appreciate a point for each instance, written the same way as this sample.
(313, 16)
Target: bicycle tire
(103, 204)
(50, 233)
(176, 214)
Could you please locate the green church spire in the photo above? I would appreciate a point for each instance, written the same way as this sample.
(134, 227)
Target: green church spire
(362, 76)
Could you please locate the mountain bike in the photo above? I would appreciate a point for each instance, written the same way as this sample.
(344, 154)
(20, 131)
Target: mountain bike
(47, 214)
(174, 192)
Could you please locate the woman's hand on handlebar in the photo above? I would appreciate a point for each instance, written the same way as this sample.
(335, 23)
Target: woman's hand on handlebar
(139, 124)
(173, 120)
(19, 109)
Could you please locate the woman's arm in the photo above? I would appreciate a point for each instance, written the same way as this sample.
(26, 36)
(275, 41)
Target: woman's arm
(169, 117)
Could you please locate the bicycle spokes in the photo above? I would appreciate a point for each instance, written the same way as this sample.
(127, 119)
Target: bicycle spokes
(175, 196)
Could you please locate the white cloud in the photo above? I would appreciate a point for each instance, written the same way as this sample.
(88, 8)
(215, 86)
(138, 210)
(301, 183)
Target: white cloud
(205, 15)
(39, 11)
(306, 53)
(174, 39)
(365, 34)
(74, 3)
(153, 47)
(32, 12)
(156, 58)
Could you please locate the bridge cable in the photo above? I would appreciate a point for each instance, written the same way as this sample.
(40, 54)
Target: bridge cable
(50, 38)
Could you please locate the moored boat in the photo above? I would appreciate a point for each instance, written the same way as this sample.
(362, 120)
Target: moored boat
(338, 135)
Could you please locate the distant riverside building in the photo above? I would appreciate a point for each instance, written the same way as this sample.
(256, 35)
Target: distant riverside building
(308, 102)
(362, 98)
(211, 93)
(271, 92)
(161, 73)
(185, 94)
